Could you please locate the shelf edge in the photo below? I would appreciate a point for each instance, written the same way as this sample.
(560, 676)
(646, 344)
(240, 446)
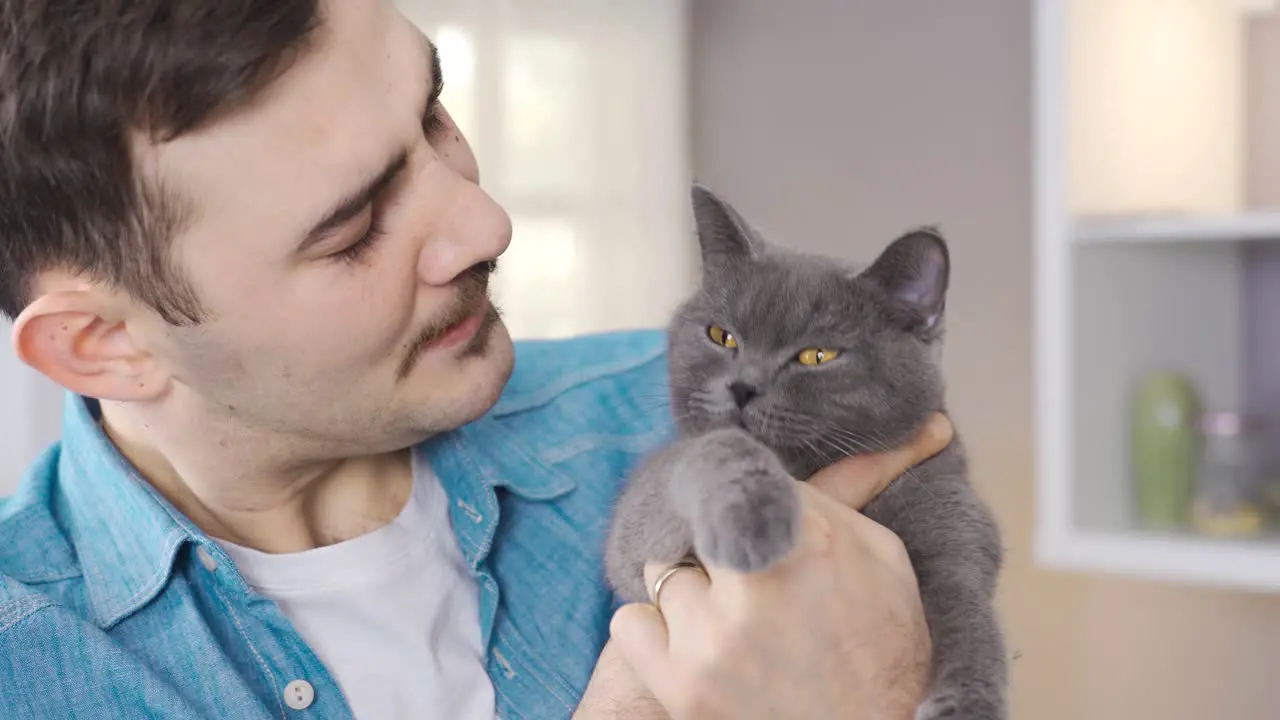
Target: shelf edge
(1222, 564)
(1253, 226)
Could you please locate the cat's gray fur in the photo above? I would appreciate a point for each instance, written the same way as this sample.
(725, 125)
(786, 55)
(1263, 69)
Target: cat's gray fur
(724, 489)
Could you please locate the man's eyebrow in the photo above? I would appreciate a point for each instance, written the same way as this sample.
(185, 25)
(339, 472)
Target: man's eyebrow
(437, 81)
(355, 201)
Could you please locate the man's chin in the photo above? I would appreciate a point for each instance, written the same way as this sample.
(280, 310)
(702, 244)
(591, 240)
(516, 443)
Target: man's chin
(480, 376)
(499, 351)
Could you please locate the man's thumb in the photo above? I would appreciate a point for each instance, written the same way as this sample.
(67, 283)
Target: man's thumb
(856, 481)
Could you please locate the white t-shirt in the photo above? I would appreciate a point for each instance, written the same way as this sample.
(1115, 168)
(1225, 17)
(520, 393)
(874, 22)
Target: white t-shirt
(392, 614)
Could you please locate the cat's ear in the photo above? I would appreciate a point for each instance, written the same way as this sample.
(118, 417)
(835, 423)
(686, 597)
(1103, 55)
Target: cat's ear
(725, 237)
(914, 271)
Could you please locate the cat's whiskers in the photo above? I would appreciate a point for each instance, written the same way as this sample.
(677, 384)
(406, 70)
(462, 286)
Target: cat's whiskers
(860, 441)
(780, 428)
(823, 456)
(764, 424)
(828, 441)
(840, 435)
(651, 405)
(801, 424)
(910, 509)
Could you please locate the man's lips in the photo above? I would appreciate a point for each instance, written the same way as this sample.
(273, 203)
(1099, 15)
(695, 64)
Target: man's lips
(468, 318)
(460, 332)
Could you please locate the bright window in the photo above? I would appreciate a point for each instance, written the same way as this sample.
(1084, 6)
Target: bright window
(576, 112)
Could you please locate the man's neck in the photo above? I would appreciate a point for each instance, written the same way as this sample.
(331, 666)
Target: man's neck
(257, 493)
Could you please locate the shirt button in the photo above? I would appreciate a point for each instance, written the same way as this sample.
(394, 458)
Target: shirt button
(206, 559)
(299, 694)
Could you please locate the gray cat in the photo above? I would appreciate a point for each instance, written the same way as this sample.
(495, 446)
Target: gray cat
(782, 363)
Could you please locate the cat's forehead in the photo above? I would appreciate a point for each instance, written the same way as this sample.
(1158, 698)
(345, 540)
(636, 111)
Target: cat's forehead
(800, 279)
(781, 300)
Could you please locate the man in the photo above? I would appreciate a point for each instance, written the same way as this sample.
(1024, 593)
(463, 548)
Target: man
(298, 475)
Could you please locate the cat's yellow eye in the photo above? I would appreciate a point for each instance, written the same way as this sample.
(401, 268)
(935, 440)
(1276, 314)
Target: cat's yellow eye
(720, 336)
(816, 356)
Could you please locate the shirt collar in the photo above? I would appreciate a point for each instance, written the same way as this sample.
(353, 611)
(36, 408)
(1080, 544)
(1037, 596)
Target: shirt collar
(500, 457)
(126, 534)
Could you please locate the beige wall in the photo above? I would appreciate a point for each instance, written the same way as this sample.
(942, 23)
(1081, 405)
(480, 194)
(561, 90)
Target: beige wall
(1262, 118)
(834, 124)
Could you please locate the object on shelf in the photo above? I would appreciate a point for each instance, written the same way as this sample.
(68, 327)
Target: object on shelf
(1229, 491)
(1271, 494)
(1166, 443)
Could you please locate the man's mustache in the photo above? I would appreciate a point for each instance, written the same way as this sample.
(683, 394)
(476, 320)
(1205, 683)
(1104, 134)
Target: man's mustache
(473, 291)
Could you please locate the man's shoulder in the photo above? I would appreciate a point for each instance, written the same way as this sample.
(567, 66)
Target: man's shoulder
(602, 385)
(37, 639)
(42, 592)
(18, 602)
(38, 565)
(35, 550)
(602, 395)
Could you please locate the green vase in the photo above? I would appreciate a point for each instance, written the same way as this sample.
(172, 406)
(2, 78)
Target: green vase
(1165, 449)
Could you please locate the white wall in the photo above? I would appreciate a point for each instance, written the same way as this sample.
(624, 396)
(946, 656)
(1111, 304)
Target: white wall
(1156, 106)
(577, 113)
(30, 408)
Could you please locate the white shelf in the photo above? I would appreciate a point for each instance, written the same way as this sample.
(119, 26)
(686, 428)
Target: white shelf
(1236, 564)
(1142, 264)
(1177, 228)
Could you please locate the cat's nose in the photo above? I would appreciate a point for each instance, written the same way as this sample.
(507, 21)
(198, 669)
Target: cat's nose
(742, 392)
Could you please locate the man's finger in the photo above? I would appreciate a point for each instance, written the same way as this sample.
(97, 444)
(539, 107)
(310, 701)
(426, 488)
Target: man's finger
(856, 481)
(682, 597)
(641, 636)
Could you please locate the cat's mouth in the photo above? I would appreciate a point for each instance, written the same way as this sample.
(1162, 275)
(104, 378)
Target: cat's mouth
(760, 426)
(779, 431)
(738, 419)
(769, 427)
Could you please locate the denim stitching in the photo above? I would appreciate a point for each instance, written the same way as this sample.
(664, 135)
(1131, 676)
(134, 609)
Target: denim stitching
(514, 707)
(150, 586)
(15, 613)
(235, 618)
(510, 631)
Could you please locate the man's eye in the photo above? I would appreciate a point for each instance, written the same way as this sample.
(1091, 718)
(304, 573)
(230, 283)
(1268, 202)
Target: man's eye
(357, 249)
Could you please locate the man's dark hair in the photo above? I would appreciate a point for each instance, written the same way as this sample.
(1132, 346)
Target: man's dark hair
(81, 83)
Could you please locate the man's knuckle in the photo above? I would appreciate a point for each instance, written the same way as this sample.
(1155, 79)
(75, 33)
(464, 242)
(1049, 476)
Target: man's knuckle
(693, 697)
(896, 549)
(939, 431)
(816, 529)
(889, 545)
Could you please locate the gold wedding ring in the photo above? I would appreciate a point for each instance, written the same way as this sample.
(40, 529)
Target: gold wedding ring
(662, 579)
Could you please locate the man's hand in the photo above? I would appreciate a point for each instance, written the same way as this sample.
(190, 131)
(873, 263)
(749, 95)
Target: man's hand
(616, 693)
(834, 630)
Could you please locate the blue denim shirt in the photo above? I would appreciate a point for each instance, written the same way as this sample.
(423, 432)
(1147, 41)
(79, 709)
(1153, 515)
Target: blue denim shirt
(107, 611)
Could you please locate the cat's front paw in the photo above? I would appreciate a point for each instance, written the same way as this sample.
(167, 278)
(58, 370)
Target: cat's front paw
(958, 705)
(749, 527)
(741, 506)
(746, 509)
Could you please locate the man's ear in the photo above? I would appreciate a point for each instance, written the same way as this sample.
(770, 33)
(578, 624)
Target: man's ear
(79, 339)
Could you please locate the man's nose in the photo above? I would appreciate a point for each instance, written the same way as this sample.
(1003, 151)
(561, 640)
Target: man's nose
(474, 229)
